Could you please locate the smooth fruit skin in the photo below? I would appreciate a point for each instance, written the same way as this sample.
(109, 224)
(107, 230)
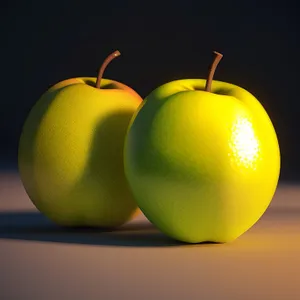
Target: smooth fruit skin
(202, 166)
(71, 153)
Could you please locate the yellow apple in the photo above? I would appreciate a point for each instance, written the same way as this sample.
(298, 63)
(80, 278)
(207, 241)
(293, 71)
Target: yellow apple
(71, 151)
(202, 159)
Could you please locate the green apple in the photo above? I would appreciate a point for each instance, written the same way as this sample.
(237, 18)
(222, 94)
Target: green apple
(71, 151)
(202, 159)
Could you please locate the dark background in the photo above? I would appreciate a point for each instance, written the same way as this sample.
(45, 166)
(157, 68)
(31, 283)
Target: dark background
(46, 42)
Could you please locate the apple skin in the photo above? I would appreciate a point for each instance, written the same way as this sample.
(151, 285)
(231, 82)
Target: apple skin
(203, 167)
(71, 153)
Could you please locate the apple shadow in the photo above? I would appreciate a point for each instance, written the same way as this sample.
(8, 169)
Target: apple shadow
(34, 226)
(104, 164)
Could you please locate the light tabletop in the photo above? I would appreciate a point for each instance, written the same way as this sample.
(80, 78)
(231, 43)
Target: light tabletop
(40, 261)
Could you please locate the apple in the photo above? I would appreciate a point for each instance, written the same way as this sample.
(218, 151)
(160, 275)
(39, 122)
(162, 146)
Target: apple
(70, 152)
(202, 159)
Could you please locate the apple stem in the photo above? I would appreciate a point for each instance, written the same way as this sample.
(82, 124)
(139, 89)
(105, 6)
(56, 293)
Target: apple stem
(212, 71)
(108, 59)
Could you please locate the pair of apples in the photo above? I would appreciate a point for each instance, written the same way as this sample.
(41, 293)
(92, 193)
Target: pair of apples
(199, 157)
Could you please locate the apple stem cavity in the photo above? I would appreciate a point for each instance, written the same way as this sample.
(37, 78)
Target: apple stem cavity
(108, 59)
(218, 57)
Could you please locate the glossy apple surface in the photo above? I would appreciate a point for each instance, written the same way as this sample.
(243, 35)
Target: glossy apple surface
(71, 153)
(203, 166)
